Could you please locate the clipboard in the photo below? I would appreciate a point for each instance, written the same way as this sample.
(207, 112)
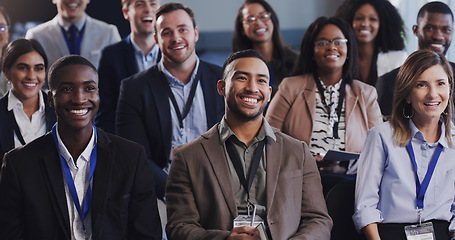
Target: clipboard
(333, 155)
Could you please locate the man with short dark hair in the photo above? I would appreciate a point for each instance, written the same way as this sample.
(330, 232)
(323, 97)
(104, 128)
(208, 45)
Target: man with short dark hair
(242, 164)
(174, 101)
(135, 53)
(434, 31)
(77, 181)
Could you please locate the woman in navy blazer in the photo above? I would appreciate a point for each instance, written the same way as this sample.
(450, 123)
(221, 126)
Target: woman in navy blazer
(24, 65)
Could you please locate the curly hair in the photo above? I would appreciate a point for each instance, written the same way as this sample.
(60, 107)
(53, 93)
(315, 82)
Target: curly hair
(391, 33)
(306, 63)
(241, 42)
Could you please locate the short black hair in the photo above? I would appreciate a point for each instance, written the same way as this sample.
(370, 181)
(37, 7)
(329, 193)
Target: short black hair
(248, 53)
(63, 62)
(170, 7)
(306, 63)
(434, 7)
(19, 47)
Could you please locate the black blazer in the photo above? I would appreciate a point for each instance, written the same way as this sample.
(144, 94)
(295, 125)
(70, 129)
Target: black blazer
(385, 86)
(7, 129)
(144, 116)
(117, 62)
(33, 201)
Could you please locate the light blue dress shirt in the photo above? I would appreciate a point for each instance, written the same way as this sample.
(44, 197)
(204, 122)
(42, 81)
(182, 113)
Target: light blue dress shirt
(386, 189)
(195, 123)
(147, 61)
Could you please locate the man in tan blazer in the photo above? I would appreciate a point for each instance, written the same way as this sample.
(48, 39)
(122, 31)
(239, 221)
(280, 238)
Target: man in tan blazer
(205, 192)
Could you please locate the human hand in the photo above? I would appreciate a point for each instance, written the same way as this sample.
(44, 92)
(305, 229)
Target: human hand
(244, 233)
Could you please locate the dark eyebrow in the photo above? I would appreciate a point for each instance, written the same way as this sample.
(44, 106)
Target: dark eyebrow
(248, 74)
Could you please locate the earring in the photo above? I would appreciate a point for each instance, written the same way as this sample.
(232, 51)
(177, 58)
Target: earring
(445, 112)
(408, 116)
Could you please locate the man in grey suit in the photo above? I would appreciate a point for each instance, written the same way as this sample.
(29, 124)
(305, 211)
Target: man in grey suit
(72, 31)
(242, 162)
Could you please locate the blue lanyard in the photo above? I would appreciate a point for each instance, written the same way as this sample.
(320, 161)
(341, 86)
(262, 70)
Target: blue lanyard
(421, 189)
(70, 181)
(78, 40)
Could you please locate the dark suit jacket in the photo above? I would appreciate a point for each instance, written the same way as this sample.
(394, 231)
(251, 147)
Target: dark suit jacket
(118, 61)
(144, 116)
(200, 198)
(7, 129)
(385, 86)
(33, 201)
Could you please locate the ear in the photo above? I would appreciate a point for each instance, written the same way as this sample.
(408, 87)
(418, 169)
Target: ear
(270, 94)
(414, 30)
(155, 37)
(408, 100)
(221, 87)
(196, 34)
(125, 13)
(50, 99)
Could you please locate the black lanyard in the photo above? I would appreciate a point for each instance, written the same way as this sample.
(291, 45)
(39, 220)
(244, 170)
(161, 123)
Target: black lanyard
(13, 122)
(340, 101)
(189, 102)
(238, 164)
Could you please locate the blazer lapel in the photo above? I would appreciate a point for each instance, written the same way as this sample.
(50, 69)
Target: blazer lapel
(58, 40)
(49, 114)
(351, 102)
(55, 182)
(7, 138)
(214, 150)
(130, 58)
(209, 94)
(274, 153)
(309, 95)
(101, 186)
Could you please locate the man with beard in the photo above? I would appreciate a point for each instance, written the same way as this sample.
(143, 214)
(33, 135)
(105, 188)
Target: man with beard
(433, 31)
(174, 101)
(135, 53)
(242, 163)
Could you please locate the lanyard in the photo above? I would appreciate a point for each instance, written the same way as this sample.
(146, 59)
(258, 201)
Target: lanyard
(189, 102)
(12, 120)
(421, 189)
(238, 164)
(340, 101)
(70, 181)
(78, 40)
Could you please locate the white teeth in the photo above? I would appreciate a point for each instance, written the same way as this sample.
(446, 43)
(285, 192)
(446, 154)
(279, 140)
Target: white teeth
(250, 100)
(261, 30)
(432, 104)
(178, 48)
(73, 5)
(147, 19)
(332, 56)
(30, 84)
(79, 112)
(364, 31)
(437, 45)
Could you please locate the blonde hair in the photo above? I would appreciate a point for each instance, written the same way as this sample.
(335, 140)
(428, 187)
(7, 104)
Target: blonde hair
(417, 63)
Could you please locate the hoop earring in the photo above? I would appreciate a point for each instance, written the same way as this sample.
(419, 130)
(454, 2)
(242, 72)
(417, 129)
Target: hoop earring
(445, 112)
(408, 116)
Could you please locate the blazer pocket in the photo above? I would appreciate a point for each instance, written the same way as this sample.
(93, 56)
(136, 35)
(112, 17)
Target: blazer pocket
(290, 174)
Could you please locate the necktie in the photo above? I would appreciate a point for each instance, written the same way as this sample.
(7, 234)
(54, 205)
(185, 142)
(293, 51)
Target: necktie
(73, 32)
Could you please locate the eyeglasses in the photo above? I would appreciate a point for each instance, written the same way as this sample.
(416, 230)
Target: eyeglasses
(338, 42)
(263, 16)
(3, 28)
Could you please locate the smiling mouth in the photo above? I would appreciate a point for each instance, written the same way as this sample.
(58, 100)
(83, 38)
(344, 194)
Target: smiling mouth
(249, 100)
(147, 19)
(30, 84)
(432, 104)
(331, 56)
(73, 5)
(79, 112)
(178, 48)
(261, 30)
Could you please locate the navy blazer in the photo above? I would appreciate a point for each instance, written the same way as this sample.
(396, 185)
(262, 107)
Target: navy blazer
(33, 200)
(144, 113)
(118, 61)
(7, 129)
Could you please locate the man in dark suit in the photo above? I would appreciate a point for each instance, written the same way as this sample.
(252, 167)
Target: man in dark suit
(243, 162)
(77, 181)
(174, 101)
(135, 53)
(434, 31)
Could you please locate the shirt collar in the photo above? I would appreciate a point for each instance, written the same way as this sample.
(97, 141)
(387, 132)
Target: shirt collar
(139, 52)
(417, 134)
(173, 80)
(14, 102)
(85, 155)
(66, 25)
(265, 131)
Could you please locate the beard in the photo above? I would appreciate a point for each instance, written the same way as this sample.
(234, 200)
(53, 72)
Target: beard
(247, 116)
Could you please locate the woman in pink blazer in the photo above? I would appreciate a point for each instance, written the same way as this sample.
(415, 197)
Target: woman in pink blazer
(323, 105)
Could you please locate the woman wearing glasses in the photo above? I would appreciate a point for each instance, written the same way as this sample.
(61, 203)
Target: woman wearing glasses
(323, 105)
(406, 173)
(4, 39)
(24, 112)
(257, 27)
(379, 31)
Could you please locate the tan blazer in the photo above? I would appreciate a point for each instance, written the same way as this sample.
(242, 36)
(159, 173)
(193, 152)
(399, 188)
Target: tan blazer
(293, 106)
(200, 198)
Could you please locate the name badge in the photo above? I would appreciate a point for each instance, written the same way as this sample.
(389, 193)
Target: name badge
(245, 220)
(423, 231)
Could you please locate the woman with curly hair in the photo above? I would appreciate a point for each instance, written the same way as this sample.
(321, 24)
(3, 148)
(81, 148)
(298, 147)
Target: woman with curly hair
(257, 27)
(379, 31)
